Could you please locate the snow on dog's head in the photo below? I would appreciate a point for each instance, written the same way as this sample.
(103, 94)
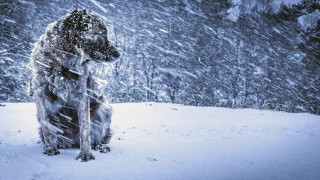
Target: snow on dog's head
(84, 32)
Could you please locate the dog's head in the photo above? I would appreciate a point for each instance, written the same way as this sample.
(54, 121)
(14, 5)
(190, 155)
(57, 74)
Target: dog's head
(85, 31)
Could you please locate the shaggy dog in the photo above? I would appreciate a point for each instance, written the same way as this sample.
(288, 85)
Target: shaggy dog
(70, 111)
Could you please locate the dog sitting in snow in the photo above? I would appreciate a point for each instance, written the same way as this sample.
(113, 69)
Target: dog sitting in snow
(70, 111)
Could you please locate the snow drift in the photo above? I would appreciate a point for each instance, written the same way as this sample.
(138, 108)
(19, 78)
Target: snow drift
(168, 141)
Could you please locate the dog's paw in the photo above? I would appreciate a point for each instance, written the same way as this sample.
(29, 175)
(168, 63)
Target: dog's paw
(85, 156)
(50, 151)
(103, 148)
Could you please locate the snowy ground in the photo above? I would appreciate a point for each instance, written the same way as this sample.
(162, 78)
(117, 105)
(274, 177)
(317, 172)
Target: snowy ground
(167, 141)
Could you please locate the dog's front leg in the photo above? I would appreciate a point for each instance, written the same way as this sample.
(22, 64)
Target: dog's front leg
(50, 140)
(85, 140)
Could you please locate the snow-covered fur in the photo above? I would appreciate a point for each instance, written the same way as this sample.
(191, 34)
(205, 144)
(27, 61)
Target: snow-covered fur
(70, 110)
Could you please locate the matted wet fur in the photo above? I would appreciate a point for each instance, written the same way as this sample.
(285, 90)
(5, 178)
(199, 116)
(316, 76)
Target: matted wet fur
(70, 110)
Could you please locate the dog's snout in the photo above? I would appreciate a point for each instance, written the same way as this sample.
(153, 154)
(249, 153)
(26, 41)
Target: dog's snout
(115, 53)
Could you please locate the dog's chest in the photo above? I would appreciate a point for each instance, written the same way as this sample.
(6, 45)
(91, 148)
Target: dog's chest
(70, 83)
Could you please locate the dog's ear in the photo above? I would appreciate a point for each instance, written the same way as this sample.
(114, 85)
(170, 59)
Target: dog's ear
(82, 21)
(69, 34)
(74, 11)
(70, 22)
(73, 28)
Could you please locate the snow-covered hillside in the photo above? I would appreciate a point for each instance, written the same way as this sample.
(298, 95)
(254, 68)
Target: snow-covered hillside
(168, 141)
